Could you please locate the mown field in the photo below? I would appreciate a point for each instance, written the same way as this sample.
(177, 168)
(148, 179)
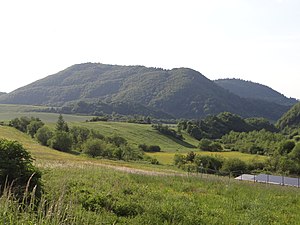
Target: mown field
(79, 190)
(8, 112)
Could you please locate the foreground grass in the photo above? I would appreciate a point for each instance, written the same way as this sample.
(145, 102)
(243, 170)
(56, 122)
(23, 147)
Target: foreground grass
(94, 195)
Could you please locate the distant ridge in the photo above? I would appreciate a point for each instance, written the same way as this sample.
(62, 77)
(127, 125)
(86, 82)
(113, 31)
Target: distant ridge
(248, 89)
(180, 92)
(2, 93)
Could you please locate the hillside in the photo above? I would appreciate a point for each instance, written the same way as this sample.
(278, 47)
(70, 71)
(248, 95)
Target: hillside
(2, 93)
(291, 118)
(181, 92)
(248, 89)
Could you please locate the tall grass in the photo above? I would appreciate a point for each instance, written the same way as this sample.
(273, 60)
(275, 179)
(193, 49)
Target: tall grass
(88, 194)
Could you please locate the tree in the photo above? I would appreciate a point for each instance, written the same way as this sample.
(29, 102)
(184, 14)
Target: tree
(94, 147)
(205, 144)
(234, 166)
(286, 147)
(117, 140)
(43, 135)
(16, 169)
(61, 141)
(295, 153)
(33, 127)
(61, 124)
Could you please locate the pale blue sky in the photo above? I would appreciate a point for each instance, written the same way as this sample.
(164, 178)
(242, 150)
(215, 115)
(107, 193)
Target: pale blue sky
(257, 40)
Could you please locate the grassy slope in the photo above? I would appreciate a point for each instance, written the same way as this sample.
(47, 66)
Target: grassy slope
(142, 134)
(135, 133)
(159, 200)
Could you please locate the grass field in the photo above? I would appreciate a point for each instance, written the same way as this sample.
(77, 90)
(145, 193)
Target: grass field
(135, 133)
(167, 157)
(80, 190)
(142, 134)
(8, 112)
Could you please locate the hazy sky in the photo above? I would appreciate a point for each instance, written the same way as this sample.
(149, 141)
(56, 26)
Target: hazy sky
(257, 40)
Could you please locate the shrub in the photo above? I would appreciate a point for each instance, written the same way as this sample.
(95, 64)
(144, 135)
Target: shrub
(211, 164)
(94, 147)
(16, 169)
(151, 148)
(43, 135)
(34, 126)
(208, 145)
(61, 141)
(117, 140)
(234, 166)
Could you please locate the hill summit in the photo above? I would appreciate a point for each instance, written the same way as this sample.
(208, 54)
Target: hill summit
(248, 89)
(180, 92)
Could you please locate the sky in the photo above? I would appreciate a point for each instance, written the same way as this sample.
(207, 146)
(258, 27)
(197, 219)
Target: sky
(256, 40)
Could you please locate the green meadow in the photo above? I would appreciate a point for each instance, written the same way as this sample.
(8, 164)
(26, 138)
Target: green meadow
(79, 190)
(82, 190)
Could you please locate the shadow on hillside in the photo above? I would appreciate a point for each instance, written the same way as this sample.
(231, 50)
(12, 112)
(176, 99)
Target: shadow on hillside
(181, 142)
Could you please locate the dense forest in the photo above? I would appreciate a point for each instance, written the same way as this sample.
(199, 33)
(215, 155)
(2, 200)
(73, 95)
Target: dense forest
(248, 89)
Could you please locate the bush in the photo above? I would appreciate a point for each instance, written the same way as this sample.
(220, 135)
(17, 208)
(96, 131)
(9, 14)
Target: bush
(61, 141)
(94, 148)
(151, 148)
(210, 163)
(34, 126)
(16, 169)
(43, 135)
(208, 145)
(234, 166)
(117, 140)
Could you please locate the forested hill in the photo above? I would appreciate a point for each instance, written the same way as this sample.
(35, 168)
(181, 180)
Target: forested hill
(2, 93)
(291, 118)
(181, 92)
(248, 89)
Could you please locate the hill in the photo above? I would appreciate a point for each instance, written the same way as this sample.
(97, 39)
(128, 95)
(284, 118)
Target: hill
(181, 92)
(2, 93)
(291, 118)
(248, 89)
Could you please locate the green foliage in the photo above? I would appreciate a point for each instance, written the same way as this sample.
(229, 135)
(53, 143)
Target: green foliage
(96, 147)
(260, 124)
(295, 153)
(26, 124)
(256, 142)
(290, 118)
(79, 136)
(214, 127)
(43, 135)
(248, 89)
(61, 141)
(17, 172)
(208, 145)
(211, 164)
(235, 166)
(61, 125)
(286, 147)
(117, 140)
(34, 126)
(164, 129)
(150, 148)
